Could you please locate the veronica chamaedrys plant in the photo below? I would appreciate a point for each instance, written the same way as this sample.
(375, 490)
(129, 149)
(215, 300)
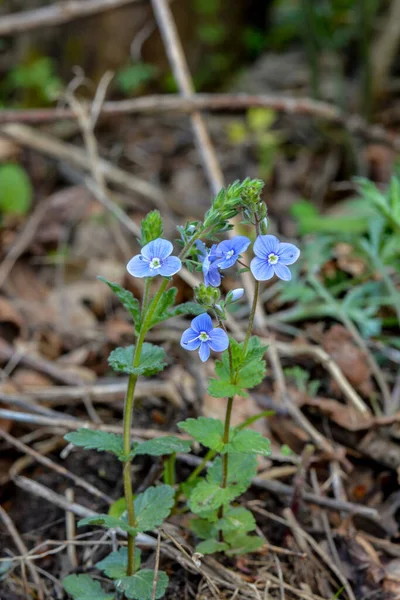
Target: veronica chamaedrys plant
(221, 526)
(155, 263)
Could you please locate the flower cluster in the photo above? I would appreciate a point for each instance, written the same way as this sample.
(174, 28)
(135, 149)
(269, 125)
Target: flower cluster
(221, 256)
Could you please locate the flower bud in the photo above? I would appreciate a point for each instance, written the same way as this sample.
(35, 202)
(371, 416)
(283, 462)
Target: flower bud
(264, 226)
(207, 295)
(234, 295)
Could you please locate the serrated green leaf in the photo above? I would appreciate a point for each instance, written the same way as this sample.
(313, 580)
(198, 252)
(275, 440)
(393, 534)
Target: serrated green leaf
(249, 442)
(203, 528)
(153, 506)
(117, 508)
(83, 587)
(97, 440)
(151, 360)
(243, 544)
(241, 470)
(208, 432)
(108, 522)
(151, 227)
(115, 564)
(222, 388)
(140, 585)
(162, 445)
(16, 190)
(186, 308)
(127, 299)
(236, 519)
(211, 546)
(208, 496)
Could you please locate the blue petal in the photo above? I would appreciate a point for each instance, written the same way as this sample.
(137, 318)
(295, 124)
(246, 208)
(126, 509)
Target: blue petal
(158, 248)
(170, 266)
(219, 340)
(282, 271)
(238, 244)
(211, 274)
(288, 253)
(261, 269)
(138, 267)
(202, 248)
(204, 351)
(202, 323)
(265, 244)
(190, 339)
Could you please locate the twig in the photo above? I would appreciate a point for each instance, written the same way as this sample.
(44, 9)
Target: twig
(385, 48)
(22, 550)
(182, 76)
(56, 14)
(47, 462)
(33, 487)
(168, 103)
(156, 567)
(70, 529)
(77, 157)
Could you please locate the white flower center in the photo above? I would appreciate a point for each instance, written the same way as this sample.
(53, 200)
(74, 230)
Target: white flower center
(155, 263)
(230, 253)
(273, 258)
(204, 337)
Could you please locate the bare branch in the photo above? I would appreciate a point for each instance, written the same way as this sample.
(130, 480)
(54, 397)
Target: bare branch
(56, 14)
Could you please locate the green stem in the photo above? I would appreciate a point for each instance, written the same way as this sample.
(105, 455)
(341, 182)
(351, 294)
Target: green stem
(225, 465)
(148, 310)
(311, 45)
(169, 469)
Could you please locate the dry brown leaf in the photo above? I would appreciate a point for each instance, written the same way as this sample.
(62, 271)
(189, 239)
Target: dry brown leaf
(339, 344)
(28, 380)
(343, 415)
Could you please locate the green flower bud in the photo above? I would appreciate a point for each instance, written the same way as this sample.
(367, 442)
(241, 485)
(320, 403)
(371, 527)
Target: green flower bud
(151, 227)
(206, 295)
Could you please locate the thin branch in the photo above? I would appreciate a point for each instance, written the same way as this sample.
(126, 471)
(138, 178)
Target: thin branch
(56, 14)
(167, 103)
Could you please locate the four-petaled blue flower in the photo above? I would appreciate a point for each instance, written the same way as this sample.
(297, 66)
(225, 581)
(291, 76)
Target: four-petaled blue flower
(154, 260)
(208, 258)
(272, 258)
(219, 257)
(228, 251)
(201, 334)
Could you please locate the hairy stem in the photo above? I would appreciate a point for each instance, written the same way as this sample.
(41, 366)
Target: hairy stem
(148, 310)
(252, 316)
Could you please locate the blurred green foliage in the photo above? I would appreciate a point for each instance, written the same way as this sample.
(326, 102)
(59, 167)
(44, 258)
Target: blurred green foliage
(30, 84)
(16, 190)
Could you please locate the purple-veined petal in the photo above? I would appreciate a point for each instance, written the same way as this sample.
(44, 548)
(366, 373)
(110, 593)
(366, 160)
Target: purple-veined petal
(158, 248)
(219, 340)
(261, 269)
(139, 267)
(170, 266)
(202, 323)
(190, 339)
(211, 274)
(282, 271)
(288, 253)
(204, 351)
(265, 244)
(236, 245)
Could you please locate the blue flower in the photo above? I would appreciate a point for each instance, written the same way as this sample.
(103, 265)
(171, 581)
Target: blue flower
(208, 258)
(272, 258)
(154, 260)
(201, 334)
(228, 251)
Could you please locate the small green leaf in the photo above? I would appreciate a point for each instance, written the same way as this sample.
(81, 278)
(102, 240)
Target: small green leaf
(151, 360)
(108, 522)
(127, 299)
(236, 519)
(115, 564)
(249, 442)
(207, 431)
(208, 496)
(15, 189)
(186, 308)
(153, 506)
(203, 528)
(241, 470)
(117, 508)
(97, 440)
(241, 543)
(211, 546)
(162, 445)
(151, 227)
(222, 388)
(83, 587)
(140, 585)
